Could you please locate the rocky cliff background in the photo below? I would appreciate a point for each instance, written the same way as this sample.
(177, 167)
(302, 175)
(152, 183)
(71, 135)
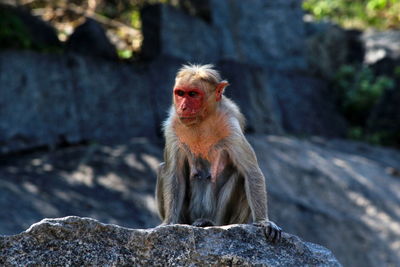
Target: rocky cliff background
(80, 126)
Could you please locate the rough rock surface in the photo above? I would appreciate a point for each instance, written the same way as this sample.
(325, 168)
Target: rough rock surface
(329, 47)
(380, 45)
(340, 194)
(256, 43)
(303, 105)
(260, 35)
(70, 99)
(168, 31)
(257, 48)
(83, 241)
(113, 184)
(51, 99)
(251, 90)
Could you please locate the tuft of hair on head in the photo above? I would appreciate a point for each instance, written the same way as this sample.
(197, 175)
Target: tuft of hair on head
(205, 73)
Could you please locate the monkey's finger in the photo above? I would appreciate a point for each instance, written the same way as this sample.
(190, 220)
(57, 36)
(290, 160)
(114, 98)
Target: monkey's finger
(273, 235)
(257, 224)
(269, 233)
(277, 236)
(278, 233)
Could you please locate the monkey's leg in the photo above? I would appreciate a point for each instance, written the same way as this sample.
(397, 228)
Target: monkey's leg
(160, 191)
(170, 195)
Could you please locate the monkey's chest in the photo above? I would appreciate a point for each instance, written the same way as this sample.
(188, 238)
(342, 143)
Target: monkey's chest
(200, 140)
(202, 145)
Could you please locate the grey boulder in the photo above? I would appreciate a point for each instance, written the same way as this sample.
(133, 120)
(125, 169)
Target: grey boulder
(82, 241)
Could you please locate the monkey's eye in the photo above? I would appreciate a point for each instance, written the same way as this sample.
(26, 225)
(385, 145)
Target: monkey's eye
(193, 94)
(179, 92)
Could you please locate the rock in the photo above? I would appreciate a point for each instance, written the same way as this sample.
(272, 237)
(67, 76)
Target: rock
(90, 39)
(160, 74)
(70, 99)
(112, 100)
(261, 54)
(114, 184)
(329, 47)
(84, 241)
(34, 100)
(96, 98)
(340, 194)
(168, 31)
(248, 87)
(198, 8)
(304, 105)
(380, 45)
(261, 33)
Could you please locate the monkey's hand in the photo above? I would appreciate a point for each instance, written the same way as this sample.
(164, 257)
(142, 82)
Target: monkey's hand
(272, 231)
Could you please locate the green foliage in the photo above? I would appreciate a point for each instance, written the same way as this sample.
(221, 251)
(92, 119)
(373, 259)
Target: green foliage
(381, 14)
(125, 54)
(13, 33)
(359, 90)
(382, 138)
(136, 21)
(397, 72)
(356, 133)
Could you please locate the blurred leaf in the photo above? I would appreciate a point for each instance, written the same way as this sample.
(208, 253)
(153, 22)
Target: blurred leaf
(381, 14)
(125, 54)
(359, 90)
(135, 19)
(13, 33)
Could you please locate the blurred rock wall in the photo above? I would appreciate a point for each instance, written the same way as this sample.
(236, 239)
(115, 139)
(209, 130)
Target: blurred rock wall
(78, 95)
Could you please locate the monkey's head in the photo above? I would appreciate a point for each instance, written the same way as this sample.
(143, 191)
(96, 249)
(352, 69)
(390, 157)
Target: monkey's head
(197, 92)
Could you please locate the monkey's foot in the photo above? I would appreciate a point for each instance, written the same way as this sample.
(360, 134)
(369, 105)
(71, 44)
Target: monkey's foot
(202, 223)
(272, 231)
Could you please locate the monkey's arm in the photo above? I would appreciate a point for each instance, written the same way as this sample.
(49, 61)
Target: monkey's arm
(245, 159)
(255, 188)
(170, 190)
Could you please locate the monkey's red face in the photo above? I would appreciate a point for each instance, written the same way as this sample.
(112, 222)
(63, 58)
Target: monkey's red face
(189, 103)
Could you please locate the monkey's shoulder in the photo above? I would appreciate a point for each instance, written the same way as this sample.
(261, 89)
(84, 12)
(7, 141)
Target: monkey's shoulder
(229, 107)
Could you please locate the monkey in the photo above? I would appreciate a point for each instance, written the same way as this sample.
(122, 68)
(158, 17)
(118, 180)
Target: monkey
(210, 174)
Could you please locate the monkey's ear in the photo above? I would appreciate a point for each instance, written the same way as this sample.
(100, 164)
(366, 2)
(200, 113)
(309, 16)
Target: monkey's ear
(219, 90)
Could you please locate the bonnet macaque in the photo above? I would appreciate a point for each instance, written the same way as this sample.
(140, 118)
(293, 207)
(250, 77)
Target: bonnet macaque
(210, 174)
